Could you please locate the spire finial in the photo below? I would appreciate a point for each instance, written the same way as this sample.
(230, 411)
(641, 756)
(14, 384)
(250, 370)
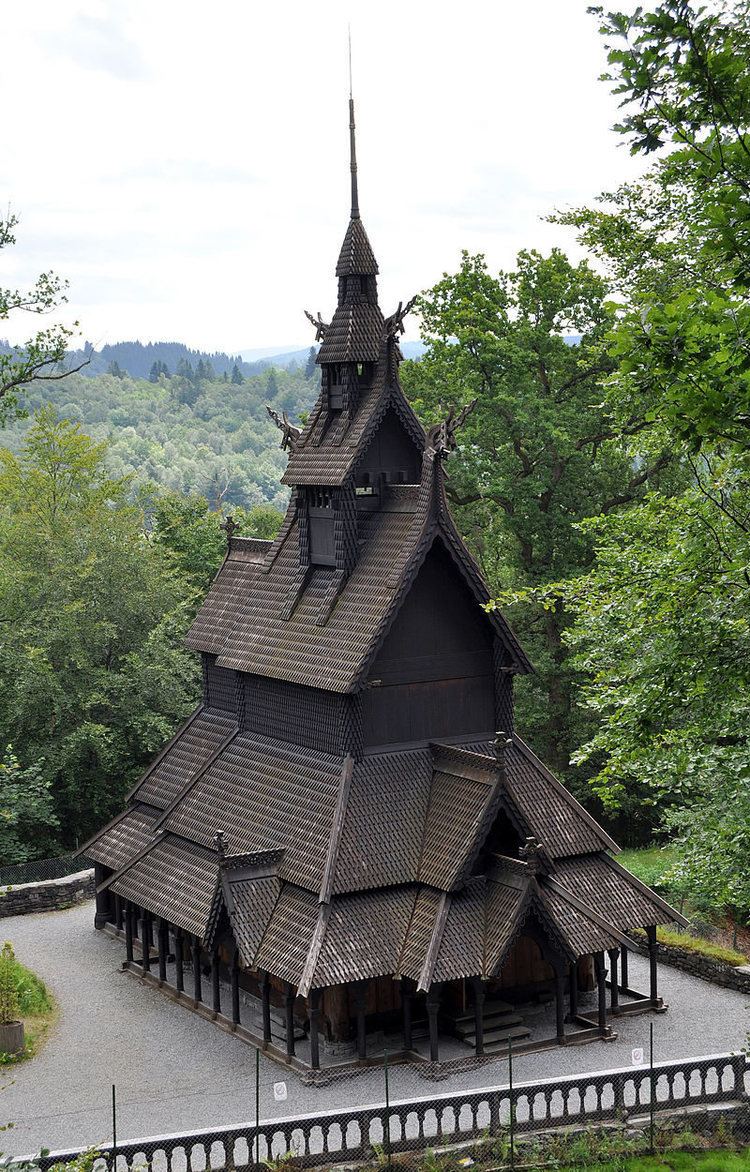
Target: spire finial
(352, 145)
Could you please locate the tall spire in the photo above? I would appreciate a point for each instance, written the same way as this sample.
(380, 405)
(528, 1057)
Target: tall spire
(352, 142)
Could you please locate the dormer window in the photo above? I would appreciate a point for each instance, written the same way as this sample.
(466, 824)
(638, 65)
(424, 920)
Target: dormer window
(335, 388)
(321, 515)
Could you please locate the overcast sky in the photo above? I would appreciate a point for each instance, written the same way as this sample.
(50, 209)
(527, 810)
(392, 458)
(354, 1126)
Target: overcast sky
(185, 164)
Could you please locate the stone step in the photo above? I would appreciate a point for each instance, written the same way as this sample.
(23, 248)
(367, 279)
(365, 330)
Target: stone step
(493, 1021)
(498, 1038)
(490, 1008)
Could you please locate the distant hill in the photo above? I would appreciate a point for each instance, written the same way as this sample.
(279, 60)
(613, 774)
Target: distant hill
(188, 432)
(138, 358)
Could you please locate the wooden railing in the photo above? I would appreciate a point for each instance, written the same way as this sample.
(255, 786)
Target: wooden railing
(347, 1136)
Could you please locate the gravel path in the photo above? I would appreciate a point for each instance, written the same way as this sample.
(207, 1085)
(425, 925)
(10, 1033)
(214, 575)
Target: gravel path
(175, 1071)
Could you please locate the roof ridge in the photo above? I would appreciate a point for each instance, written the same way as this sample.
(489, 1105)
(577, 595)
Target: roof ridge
(617, 866)
(194, 779)
(565, 793)
(132, 792)
(313, 954)
(417, 892)
(141, 854)
(583, 908)
(433, 948)
(337, 830)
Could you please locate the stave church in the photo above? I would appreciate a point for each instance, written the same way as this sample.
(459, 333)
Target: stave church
(348, 846)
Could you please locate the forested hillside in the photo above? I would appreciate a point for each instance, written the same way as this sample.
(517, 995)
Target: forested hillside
(210, 436)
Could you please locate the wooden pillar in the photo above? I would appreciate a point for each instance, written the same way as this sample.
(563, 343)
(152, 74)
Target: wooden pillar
(614, 988)
(406, 1007)
(652, 963)
(359, 996)
(146, 941)
(197, 998)
(129, 933)
(573, 992)
(289, 994)
(102, 900)
(119, 918)
(433, 1008)
(102, 914)
(215, 981)
(236, 987)
(478, 988)
(560, 1003)
(163, 950)
(314, 1002)
(265, 998)
(601, 974)
(624, 983)
(178, 961)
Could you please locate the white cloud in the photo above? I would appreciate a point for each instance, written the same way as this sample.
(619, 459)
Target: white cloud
(186, 165)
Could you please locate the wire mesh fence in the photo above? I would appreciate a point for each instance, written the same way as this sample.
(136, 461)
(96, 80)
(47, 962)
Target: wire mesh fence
(36, 871)
(575, 1121)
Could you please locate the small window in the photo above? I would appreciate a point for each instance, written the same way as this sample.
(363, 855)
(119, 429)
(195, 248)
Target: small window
(321, 515)
(335, 388)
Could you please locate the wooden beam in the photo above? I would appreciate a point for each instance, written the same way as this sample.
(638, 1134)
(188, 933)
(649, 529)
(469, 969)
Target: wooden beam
(433, 1008)
(359, 990)
(573, 992)
(236, 987)
(178, 960)
(129, 932)
(601, 973)
(314, 1010)
(406, 1008)
(215, 980)
(478, 988)
(289, 996)
(163, 937)
(614, 988)
(196, 957)
(560, 1003)
(265, 999)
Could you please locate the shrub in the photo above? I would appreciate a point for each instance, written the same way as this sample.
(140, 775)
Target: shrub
(10, 1002)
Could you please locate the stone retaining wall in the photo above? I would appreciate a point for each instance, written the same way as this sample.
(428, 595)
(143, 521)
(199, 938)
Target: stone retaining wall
(702, 966)
(48, 895)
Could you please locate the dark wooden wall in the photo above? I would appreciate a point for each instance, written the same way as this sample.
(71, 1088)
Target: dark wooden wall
(219, 685)
(303, 716)
(393, 452)
(433, 677)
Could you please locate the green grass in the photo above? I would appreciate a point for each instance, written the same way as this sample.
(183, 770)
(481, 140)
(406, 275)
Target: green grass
(696, 944)
(38, 1010)
(650, 863)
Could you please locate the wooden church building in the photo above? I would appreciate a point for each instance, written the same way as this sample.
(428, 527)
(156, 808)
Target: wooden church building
(339, 836)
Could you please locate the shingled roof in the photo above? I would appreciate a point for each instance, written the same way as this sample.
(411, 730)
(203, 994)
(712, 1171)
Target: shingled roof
(329, 449)
(356, 256)
(409, 930)
(394, 543)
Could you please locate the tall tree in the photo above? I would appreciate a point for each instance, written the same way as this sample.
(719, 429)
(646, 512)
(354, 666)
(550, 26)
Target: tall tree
(93, 676)
(677, 243)
(540, 451)
(662, 617)
(41, 357)
(311, 366)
